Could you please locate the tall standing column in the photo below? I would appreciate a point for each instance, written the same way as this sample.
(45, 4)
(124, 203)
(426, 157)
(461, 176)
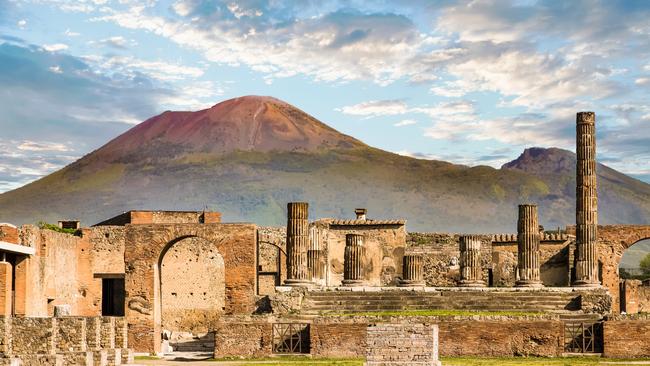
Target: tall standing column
(353, 271)
(314, 256)
(471, 273)
(586, 258)
(412, 271)
(528, 247)
(297, 244)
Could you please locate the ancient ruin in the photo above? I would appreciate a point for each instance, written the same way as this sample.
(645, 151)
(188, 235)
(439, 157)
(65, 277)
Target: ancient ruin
(169, 281)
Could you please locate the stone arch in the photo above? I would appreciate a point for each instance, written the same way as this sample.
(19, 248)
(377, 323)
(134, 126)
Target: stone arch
(144, 247)
(191, 284)
(272, 266)
(613, 241)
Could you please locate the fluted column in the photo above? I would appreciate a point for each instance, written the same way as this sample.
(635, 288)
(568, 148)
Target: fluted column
(297, 244)
(315, 256)
(412, 272)
(586, 259)
(471, 273)
(528, 247)
(353, 271)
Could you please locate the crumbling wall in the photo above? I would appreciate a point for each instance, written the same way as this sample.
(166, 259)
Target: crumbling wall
(384, 251)
(192, 286)
(626, 336)
(272, 258)
(59, 273)
(441, 256)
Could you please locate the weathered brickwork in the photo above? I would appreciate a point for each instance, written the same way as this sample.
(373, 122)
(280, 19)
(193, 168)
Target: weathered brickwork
(338, 339)
(249, 339)
(144, 246)
(626, 338)
(402, 344)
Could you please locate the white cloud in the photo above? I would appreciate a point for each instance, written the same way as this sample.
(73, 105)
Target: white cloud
(405, 122)
(375, 108)
(56, 69)
(22, 23)
(27, 145)
(55, 47)
(158, 69)
(70, 33)
(642, 81)
(115, 42)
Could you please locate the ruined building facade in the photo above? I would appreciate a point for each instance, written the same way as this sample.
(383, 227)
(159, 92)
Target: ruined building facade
(167, 272)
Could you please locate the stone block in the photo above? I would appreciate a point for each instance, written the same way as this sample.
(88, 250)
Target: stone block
(71, 335)
(33, 336)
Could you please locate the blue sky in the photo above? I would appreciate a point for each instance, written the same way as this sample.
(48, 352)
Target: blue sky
(472, 82)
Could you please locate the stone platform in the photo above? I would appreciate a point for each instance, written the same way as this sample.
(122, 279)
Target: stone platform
(561, 300)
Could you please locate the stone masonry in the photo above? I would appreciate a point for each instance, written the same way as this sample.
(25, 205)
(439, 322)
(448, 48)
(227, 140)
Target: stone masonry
(297, 244)
(586, 202)
(528, 241)
(402, 344)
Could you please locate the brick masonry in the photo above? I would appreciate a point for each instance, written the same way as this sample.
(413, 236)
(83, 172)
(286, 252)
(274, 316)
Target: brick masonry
(247, 339)
(626, 338)
(402, 344)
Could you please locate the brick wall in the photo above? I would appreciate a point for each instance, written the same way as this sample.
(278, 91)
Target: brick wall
(626, 338)
(501, 338)
(248, 339)
(338, 340)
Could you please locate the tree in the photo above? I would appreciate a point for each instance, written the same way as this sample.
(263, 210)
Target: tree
(645, 265)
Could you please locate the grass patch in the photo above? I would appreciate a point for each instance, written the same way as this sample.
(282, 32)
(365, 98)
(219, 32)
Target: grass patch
(437, 312)
(146, 358)
(45, 225)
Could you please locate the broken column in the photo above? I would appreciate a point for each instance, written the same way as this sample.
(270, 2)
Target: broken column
(412, 271)
(586, 257)
(353, 271)
(528, 247)
(471, 273)
(297, 244)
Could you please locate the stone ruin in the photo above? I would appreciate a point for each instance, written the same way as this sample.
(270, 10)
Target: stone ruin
(185, 281)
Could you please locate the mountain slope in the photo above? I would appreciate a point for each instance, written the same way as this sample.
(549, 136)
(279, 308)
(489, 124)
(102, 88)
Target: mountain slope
(248, 156)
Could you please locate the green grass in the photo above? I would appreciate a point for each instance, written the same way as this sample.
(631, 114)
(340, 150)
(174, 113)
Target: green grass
(437, 312)
(146, 358)
(45, 225)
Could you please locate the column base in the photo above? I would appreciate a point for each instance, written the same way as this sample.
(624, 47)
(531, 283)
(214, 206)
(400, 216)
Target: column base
(353, 283)
(471, 284)
(586, 283)
(411, 283)
(298, 283)
(529, 284)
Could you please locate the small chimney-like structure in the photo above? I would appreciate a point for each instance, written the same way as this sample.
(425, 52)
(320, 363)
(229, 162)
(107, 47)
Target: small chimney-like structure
(69, 224)
(361, 213)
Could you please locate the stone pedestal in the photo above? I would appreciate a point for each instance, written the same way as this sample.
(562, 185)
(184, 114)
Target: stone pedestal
(586, 257)
(61, 310)
(353, 271)
(297, 244)
(412, 274)
(471, 272)
(528, 238)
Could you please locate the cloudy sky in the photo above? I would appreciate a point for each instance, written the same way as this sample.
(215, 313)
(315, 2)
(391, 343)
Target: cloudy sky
(472, 82)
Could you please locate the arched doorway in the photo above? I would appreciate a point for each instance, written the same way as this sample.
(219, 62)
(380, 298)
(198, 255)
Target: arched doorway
(192, 293)
(634, 284)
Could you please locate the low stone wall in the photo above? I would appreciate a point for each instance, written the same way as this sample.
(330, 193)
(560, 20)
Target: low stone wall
(627, 337)
(64, 341)
(499, 336)
(338, 340)
(402, 344)
(247, 339)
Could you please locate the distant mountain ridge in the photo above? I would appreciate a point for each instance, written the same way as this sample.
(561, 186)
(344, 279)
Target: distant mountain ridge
(248, 156)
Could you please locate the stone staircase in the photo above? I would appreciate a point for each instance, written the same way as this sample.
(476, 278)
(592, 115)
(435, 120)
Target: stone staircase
(320, 302)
